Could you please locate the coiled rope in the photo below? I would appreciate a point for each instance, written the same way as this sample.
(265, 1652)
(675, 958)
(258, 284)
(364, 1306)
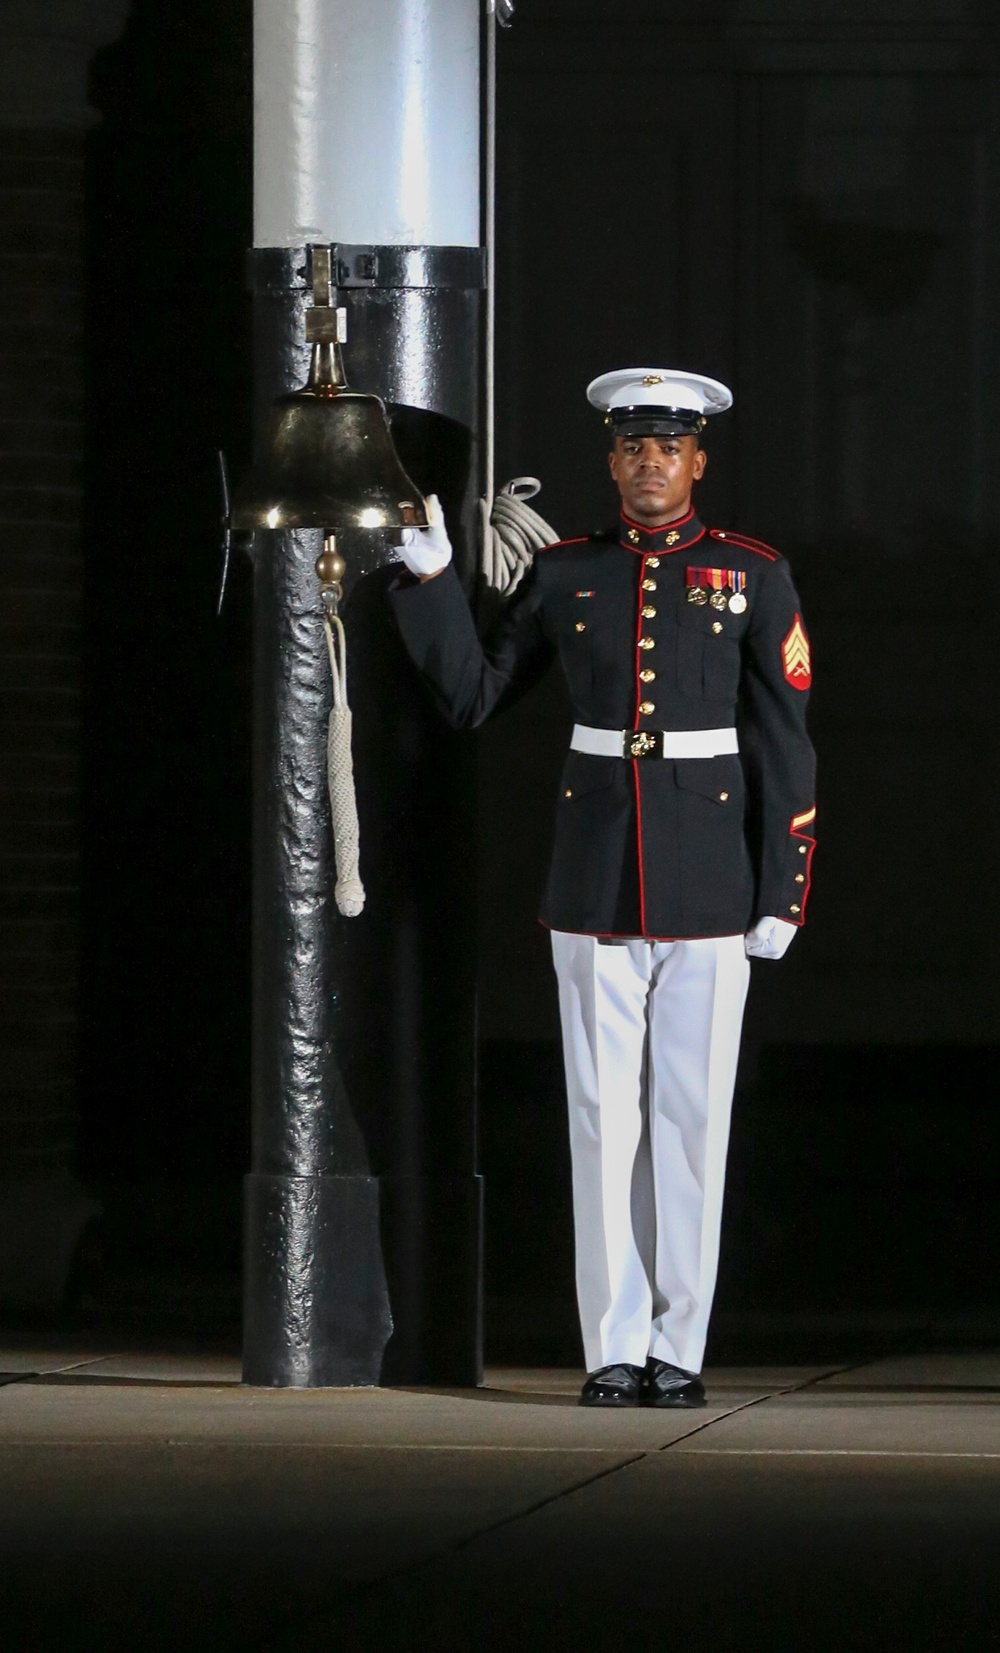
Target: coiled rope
(349, 892)
(511, 533)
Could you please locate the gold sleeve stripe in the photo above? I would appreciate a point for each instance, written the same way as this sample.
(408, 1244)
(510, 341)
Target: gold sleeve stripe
(803, 820)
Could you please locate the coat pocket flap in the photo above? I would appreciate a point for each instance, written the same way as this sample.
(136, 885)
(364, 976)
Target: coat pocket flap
(585, 773)
(720, 779)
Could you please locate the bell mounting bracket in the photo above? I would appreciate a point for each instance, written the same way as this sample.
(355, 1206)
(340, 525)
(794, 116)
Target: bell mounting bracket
(326, 321)
(345, 266)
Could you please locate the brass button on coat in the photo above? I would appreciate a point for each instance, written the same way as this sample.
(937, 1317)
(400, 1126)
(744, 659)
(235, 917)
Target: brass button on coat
(568, 792)
(581, 625)
(717, 626)
(800, 878)
(794, 909)
(647, 643)
(802, 849)
(648, 611)
(649, 585)
(652, 562)
(646, 706)
(648, 675)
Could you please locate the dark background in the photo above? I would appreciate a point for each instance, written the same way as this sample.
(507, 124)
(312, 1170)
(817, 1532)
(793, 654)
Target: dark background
(800, 200)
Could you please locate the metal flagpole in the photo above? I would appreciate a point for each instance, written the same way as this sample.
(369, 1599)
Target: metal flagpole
(363, 1206)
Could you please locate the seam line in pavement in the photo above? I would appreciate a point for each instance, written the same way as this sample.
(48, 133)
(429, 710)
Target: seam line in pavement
(371, 1586)
(540, 1504)
(204, 1444)
(356, 1595)
(8, 1379)
(759, 1400)
(832, 1452)
(917, 1389)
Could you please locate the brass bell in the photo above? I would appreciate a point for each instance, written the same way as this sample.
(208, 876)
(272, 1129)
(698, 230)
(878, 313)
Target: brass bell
(328, 459)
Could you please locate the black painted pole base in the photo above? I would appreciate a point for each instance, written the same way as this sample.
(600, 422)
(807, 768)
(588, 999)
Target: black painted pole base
(316, 1304)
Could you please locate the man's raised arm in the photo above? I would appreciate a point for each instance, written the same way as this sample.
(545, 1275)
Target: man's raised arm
(469, 679)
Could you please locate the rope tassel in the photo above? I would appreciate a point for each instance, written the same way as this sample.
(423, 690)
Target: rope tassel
(349, 892)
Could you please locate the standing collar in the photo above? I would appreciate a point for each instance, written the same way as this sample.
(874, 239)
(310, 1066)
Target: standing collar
(673, 536)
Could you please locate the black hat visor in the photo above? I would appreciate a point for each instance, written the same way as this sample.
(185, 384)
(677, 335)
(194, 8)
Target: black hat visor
(655, 421)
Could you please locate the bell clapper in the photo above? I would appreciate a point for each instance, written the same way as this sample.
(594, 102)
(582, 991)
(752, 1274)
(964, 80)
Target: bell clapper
(330, 570)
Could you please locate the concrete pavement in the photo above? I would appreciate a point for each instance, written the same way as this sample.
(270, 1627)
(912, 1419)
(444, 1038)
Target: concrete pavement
(148, 1501)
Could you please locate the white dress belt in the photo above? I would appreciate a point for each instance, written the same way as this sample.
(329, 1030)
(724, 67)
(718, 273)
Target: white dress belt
(665, 743)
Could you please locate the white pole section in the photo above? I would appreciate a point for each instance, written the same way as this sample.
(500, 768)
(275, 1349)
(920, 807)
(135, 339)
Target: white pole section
(366, 122)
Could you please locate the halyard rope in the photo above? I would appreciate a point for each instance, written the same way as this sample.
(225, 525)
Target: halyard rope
(349, 892)
(510, 531)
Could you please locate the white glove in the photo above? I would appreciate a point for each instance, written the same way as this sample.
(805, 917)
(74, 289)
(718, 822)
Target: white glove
(426, 550)
(770, 938)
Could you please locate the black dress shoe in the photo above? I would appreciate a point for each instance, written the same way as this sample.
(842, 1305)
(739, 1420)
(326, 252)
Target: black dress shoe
(666, 1385)
(613, 1386)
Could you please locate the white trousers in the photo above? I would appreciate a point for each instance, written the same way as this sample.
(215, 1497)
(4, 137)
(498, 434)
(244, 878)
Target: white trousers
(651, 1035)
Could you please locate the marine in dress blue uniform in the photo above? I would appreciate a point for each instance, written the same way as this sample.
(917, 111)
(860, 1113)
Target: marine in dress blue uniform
(683, 843)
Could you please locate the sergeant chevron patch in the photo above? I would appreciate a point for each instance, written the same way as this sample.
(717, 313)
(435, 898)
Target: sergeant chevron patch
(795, 656)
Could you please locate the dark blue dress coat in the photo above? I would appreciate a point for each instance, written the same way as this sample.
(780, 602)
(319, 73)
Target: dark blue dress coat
(654, 847)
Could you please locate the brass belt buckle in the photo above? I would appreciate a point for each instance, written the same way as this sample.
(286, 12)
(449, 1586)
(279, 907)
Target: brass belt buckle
(642, 743)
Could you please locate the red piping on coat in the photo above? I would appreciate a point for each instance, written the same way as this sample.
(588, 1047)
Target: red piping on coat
(662, 550)
(745, 543)
(677, 523)
(638, 633)
(638, 834)
(804, 838)
(635, 762)
(581, 539)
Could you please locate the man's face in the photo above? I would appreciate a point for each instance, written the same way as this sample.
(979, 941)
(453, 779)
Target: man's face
(655, 475)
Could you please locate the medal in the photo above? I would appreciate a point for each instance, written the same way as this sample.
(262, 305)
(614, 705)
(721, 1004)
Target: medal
(695, 580)
(738, 580)
(737, 602)
(718, 579)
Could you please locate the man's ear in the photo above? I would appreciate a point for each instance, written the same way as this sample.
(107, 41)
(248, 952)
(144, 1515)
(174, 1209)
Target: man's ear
(613, 463)
(700, 461)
